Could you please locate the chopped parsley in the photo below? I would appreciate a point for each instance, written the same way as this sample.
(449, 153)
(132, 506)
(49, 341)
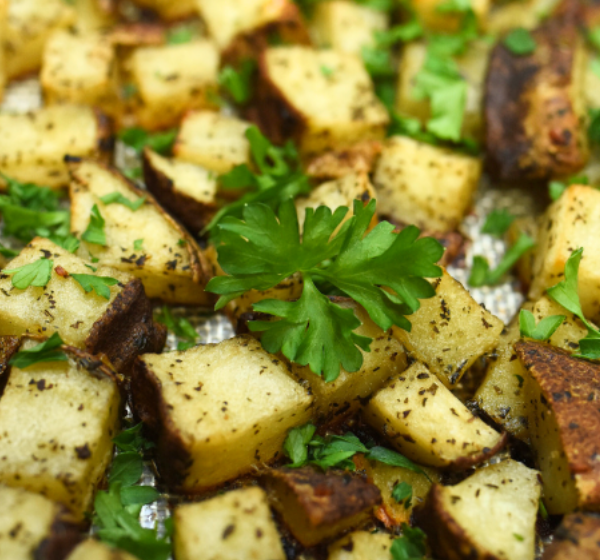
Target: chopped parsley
(95, 230)
(36, 274)
(403, 493)
(48, 351)
(410, 546)
(498, 222)
(238, 82)
(519, 41)
(7, 253)
(138, 245)
(556, 188)
(179, 35)
(99, 284)
(118, 198)
(543, 330)
(180, 327)
(138, 139)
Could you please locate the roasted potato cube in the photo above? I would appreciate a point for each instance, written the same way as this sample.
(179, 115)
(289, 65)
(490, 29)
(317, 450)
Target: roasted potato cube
(430, 14)
(450, 331)
(319, 109)
(33, 146)
(186, 190)
(345, 26)
(235, 525)
(57, 421)
(32, 526)
(243, 28)
(91, 549)
(121, 327)
(429, 186)
(535, 106)
(169, 10)
(569, 223)
(172, 79)
(501, 394)
(335, 164)
(338, 399)
(362, 545)
(577, 538)
(491, 514)
(214, 141)
(316, 506)
(30, 23)
(94, 16)
(217, 411)
(81, 69)
(563, 423)
(410, 411)
(169, 262)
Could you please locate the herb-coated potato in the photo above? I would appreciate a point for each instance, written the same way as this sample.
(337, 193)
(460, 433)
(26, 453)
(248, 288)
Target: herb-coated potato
(362, 545)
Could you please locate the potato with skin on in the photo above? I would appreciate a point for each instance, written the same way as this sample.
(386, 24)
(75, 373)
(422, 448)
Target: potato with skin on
(359, 158)
(33, 146)
(32, 526)
(336, 400)
(186, 190)
(29, 25)
(172, 79)
(91, 549)
(410, 413)
(319, 112)
(316, 506)
(576, 538)
(214, 141)
(80, 68)
(425, 185)
(489, 516)
(431, 16)
(217, 411)
(362, 545)
(121, 327)
(344, 26)
(568, 224)
(563, 423)
(234, 525)
(169, 264)
(57, 421)
(450, 331)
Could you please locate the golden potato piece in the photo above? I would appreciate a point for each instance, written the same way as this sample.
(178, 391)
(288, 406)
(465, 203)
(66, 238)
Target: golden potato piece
(362, 545)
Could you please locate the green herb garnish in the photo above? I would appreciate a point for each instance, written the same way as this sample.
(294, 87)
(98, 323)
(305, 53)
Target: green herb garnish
(118, 198)
(403, 492)
(543, 330)
(498, 222)
(410, 546)
(100, 284)
(519, 41)
(36, 274)
(238, 83)
(48, 351)
(138, 139)
(95, 230)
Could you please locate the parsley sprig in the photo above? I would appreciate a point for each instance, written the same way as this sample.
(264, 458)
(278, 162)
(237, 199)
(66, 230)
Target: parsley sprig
(138, 139)
(180, 327)
(403, 493)
(238, 82)
(542, 330)
(36, 274)
(99, 284)
(94, 233)
(48, 351)
(410, 546)
(263, 249)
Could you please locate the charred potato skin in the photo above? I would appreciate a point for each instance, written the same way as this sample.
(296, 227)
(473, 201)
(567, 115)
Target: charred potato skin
(571, 387)
(577, 538)
(359, 158)
(9, 346)
(516, 91)
(64, 536)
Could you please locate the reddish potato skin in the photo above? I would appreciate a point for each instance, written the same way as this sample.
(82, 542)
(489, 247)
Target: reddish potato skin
(577, 538)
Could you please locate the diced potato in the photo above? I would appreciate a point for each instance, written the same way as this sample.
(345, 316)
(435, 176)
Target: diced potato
(31, 526)
(359, 158)
(501, 394)
(425, 185)
(362, 545)
(3, 25)
(30, 23)
(186, 190)
(316, 506)
(33, 146)
(218, 410)
(172, 79)
(450, 331)
(341, 398)
(563, 422)
(169, 262)
(491, 514)
(319, 109)
(568, 224)
(235, 525)
(535, 110)
(80, 69)
(411, 411)
(243, 28)
(57, 421)
(577, 538)
(91, 549)
(214, 141)
(430, 15)
(345, 26)
(169, 9)
(121, 327)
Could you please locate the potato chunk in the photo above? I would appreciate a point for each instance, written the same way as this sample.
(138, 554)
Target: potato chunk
(120, 327)
(172, 79)
(316, 506)
(217, 410)
(362, 545)
(564, 421)
(57, 421)
(30, 23)
(450, 331)
(168, 263)
(298, 100)
(577, 538)
(425, 185)
(410, 411)
(571, 222)
(33, 146)
(339, 399)
(214, 141)
(91, 549)
(80, 69)
(534, 105)
(491, 514)
(32, 526)
(235, 525)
